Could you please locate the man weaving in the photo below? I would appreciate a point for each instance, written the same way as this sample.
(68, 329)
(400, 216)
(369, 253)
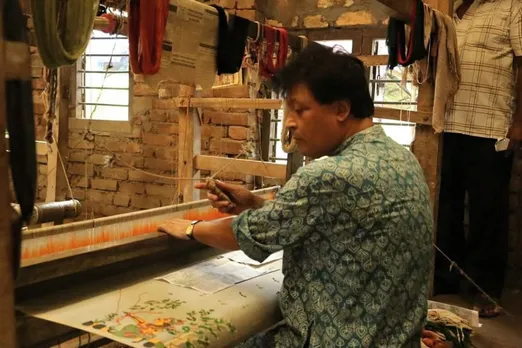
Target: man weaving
(356, 227)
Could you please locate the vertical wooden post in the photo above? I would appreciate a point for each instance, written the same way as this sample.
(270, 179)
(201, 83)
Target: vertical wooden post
(189, 145)
(8, 331)
(56, 181)
(428, 146)
(65, 77)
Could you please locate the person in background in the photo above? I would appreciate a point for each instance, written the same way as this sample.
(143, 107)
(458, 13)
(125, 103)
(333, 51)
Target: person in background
(356, 227)
(484, 117)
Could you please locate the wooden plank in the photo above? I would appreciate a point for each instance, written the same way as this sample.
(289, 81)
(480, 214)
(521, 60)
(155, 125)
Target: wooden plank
(7, 312)
(41, 146)
(52, 155)
(373, 60)
(240, 166)
(422, 117)
(189, 145)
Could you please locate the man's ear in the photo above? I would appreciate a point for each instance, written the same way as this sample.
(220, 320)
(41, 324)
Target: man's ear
(344, 109)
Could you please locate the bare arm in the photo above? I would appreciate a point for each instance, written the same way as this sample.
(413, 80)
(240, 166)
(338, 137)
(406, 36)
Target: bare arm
(216, 233)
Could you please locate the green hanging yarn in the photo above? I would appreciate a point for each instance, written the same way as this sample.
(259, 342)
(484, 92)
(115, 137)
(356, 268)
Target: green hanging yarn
(61, 44)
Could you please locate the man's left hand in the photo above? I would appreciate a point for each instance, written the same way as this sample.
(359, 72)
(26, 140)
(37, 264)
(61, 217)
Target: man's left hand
(177, 228)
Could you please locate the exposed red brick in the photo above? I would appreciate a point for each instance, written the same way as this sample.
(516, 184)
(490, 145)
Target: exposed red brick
(145, 202)
(105, 184)
(121, 200)
(115, 173)
(131, 188)
(167, 191)
(157, 139)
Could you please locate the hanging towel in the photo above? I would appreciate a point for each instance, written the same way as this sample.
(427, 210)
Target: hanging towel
(232, 36)
(147, 23)
(446, 72)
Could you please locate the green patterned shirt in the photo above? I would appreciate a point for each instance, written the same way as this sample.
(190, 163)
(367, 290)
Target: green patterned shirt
(356, 229)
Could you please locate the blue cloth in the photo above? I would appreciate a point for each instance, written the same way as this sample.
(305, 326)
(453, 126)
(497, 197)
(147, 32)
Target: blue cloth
(356, 229)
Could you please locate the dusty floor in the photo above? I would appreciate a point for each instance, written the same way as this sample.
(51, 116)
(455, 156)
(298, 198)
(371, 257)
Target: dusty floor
(504, 331)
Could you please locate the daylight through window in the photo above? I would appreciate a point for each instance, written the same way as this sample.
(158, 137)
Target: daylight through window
(104, 79)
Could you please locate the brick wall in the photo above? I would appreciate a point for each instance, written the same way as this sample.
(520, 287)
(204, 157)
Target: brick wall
(151, 145)
(318, 13)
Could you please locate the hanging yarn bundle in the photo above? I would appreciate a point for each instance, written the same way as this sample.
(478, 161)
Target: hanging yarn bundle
(147, 22)
(232, 41)
(396, 39)
(63, 29)
(267, 68)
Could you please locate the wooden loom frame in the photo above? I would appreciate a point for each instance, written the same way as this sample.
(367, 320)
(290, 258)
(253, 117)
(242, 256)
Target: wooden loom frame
(425, 145)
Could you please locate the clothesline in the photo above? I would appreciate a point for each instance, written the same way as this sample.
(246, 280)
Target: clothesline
(255, 31)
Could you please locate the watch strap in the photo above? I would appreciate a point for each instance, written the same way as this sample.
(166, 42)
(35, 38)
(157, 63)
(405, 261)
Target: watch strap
(190, 229)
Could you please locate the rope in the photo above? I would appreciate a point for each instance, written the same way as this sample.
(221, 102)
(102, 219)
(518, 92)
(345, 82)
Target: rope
(453, 264)
(147, 21)
(63, 29)
(49, 100)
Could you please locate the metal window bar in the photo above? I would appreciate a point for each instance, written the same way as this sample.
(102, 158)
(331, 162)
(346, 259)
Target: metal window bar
(82, 87)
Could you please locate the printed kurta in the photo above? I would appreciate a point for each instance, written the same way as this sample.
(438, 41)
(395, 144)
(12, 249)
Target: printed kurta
(356, 229)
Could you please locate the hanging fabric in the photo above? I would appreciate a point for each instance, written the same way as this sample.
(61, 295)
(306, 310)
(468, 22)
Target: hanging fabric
(396, 39)
(232, 36)
(63, 29)
(20, 119)
(147, 21)
(267, 67)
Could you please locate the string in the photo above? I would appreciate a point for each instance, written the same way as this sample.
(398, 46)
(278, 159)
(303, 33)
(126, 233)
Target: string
(453, 264)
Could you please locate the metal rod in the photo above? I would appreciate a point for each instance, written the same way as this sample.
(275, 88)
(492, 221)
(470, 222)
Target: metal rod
(53, 211)
(105, 55)
(102, 72)
(102, 104)
(107, 88)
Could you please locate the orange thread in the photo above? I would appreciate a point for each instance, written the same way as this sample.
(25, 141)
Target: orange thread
(147, 21)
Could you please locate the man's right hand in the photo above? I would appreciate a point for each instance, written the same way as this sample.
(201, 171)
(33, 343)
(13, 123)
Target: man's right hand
(241, 197)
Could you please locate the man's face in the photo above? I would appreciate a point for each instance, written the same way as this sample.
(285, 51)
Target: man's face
(317, 129)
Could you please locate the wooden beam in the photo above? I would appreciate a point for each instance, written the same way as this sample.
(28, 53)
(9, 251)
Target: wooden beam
(427, 145)
(240, 166)
(7, 311)
(189, 145)
(373, 60)
(294, 162)
(400, 9)
(422, 117)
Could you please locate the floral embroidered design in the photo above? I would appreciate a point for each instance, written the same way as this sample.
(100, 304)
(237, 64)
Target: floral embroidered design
(144, 323)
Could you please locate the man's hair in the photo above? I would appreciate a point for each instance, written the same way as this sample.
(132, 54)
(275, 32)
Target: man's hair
(331, 75)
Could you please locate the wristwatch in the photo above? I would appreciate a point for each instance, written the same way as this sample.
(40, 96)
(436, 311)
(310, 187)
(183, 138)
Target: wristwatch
(190, 229)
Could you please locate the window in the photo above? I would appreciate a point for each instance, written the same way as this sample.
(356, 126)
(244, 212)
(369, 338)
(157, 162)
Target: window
(104, 78)
(387, 90)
